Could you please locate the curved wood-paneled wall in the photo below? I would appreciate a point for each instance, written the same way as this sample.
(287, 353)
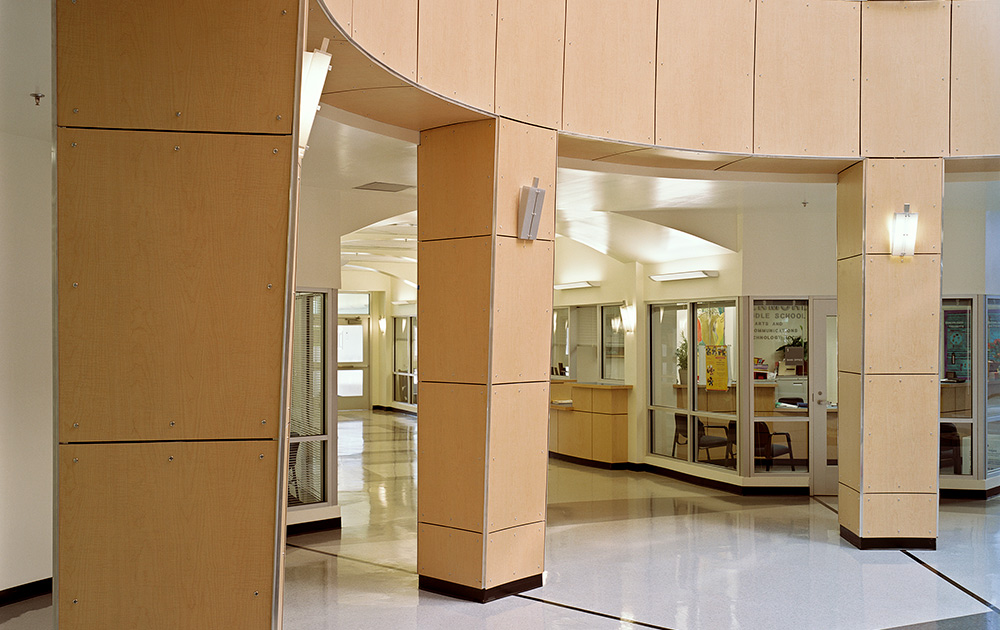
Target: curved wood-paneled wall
(797, 78)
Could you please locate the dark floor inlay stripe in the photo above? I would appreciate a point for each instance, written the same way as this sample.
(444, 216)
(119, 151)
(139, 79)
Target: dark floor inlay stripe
(592, 612)
(340, 557)
(951, 581)
(826, 505)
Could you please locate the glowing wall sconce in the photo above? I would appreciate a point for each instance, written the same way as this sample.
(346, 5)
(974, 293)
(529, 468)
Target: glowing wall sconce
(904, 232)
(381, 325)
(315, 65)
(684, 275)
(628, 317)
(582, 284)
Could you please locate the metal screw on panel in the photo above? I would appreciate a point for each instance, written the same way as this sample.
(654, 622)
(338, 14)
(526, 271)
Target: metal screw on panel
(72, 144)
(278, 117)
(255, 593)
(178, 114)
(76, 110)
(269, 285)
(261, 456)
(75, 600)
(263, 421)
(177, 147)
(76, 459)
(76, 425)
(275, 151)
(172, 423)
(76, 284)
(284, 12)
(170, 459)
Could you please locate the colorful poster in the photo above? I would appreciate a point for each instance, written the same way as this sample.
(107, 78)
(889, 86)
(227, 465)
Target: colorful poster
(716, 368)
(957, 348)
(993, 337)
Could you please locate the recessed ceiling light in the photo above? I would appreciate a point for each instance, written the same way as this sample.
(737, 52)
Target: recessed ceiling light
(383, 187)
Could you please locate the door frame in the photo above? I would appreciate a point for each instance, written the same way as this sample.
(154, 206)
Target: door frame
(823, 478)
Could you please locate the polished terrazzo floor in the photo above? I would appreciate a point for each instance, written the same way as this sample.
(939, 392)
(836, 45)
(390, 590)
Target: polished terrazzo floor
(628, 550)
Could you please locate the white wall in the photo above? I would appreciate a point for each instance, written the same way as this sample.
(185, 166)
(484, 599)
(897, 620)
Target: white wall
(26, 306)
(317, 260)
(790, 252)
(965, 236)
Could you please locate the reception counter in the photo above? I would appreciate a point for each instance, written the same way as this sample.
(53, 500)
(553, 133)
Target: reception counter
(589, 421)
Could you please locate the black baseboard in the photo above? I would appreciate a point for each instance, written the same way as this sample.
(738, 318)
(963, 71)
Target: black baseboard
(978, 495)
(20, 593)
(313, 526)
(478, 595)
(394, 410)
(589, 462)
(887, 543)
(721, 485)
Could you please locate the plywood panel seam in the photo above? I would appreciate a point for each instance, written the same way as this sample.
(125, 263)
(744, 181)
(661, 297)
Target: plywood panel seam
(444, 526)
(847, 485)
(518, 525)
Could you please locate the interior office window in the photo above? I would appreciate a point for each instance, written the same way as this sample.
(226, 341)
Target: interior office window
(716, 363)
(560, 342)
(405, 360)
(353, 304)
(992, 384)
(780, 347)
(669, 377)
(956, 386)
(612, 344)
(308, 430)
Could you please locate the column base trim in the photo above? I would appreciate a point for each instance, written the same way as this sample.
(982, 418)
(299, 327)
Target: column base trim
(478, 595)
(887, 543)
(23, 592)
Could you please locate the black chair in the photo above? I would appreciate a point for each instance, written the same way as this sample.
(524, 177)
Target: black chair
(765, 448)
(706, 441)
(680, 432)
(951, 447)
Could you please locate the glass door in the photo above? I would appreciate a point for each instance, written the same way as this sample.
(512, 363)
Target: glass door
(823, 394)
(352, 351)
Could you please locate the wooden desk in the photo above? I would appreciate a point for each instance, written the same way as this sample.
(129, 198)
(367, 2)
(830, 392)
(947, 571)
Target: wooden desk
(595, 427)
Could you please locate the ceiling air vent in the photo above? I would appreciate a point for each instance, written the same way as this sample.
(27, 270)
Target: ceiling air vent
(383, 187)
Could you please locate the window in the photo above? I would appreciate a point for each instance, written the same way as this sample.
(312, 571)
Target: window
(956, 433)
(307, 465)
(404, 362)
(560, 342)
(612, 344)
(992, 384)
(669, 369)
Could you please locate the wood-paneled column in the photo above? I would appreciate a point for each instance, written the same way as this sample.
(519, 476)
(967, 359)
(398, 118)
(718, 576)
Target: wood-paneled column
(485, 308)
(175, 165)
(888, 311)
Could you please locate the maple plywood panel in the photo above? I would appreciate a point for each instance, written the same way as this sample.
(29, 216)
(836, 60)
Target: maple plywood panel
(515, 554)
(850, 392)
(522, 310)
(899, 515)
(453, 555)
(850, 211)
(450, 455)
(849, 508)
(891, 183)
(850, 314)
(144, 526)
(456, 54)
(454, 308)
(673, 158)
(530, 50)
(553, 435)
(601, 437)
(456, 166)
(804, 166)
(895, 406)
(609, 77)
(407, 107)
(523, 153)
(353, 70)
(806, 92)
(704, 75)
(387, 29)
(975, 77)
(972, 165)
(576, 434)
(581, 148)
(118, 65)
(517, 455)
(610, 400)
(171, 284)
(319, 25)
(902, 314)
(342, 11)
(905, 56)
(619, 438)
(583, 398)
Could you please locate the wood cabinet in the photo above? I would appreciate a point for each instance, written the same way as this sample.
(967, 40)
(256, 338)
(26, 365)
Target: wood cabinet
(595, 426)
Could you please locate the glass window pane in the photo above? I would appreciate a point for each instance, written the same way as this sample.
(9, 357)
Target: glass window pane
(306, 472)
(831, 390)
(560, 342)
(613, 344)
(716, 441)
(668, 433)
(993, 360)
(668, 328)
(956, 448)
(401, 389)
(992, 446)
(350, 343)
(350, 382)
(413, 345)
(308, 365)
(781, 357)
(956, 358)
(401, 344)
(716, 357)
(352, 303)
(781, 446)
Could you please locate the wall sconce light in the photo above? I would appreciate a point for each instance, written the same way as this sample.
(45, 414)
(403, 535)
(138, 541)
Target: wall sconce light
(904, 232)
(529, 211)
(628, 317)
(381, 325)
(684, 275)
(315, 65)
(582, 284)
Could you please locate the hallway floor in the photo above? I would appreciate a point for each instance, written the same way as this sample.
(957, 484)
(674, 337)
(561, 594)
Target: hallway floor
(627, 550)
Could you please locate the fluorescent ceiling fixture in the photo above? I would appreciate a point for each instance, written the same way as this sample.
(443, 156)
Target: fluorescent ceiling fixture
(315, 65)
(582, 284)
(904, 232)
(409, 283)
(684, 275)
(400, 302)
